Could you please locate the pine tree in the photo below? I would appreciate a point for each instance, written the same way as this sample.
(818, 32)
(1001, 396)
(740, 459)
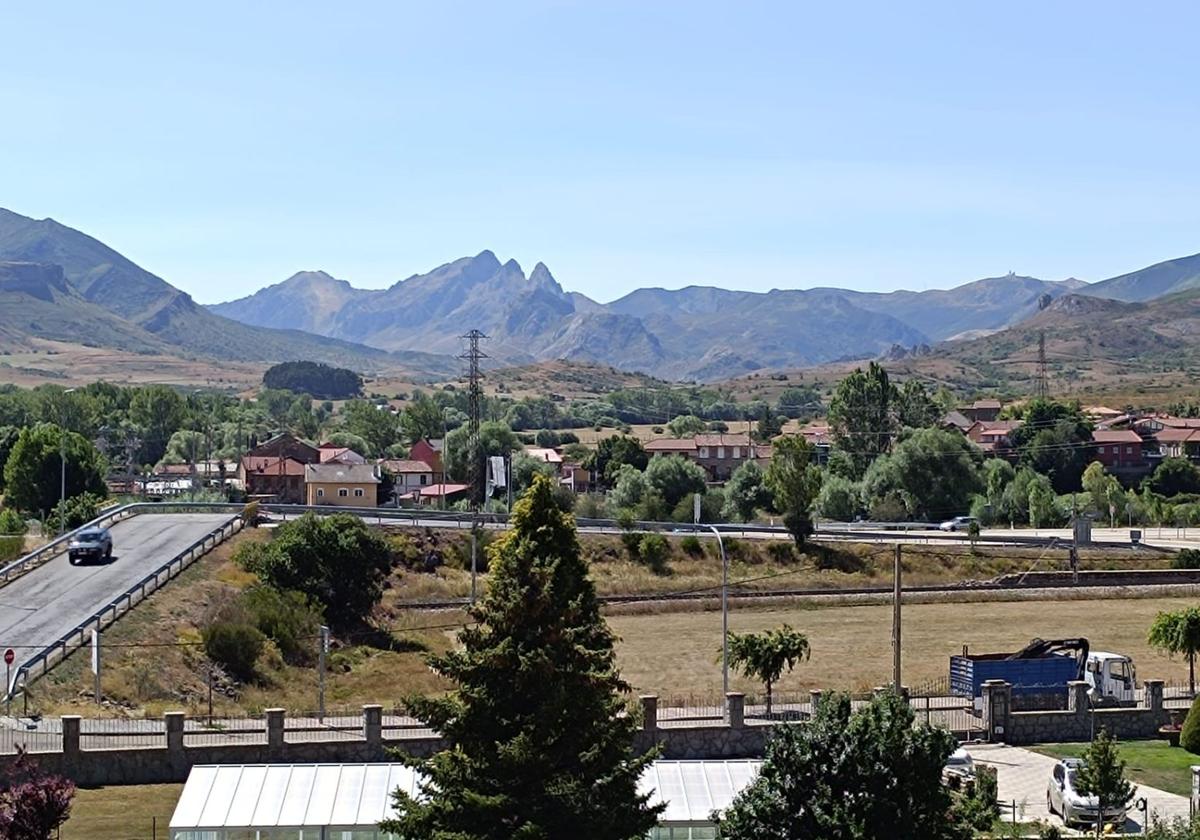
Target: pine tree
(538, 747)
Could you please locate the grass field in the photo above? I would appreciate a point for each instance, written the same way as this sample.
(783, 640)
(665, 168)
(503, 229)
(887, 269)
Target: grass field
(1153, 763)
(677, 654)
(130, 812)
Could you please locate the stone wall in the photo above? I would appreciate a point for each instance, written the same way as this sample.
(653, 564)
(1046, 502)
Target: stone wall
(731, 738)
(1078, 722)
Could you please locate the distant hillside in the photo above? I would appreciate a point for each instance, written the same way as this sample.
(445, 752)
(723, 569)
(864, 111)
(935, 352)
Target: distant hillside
(305, 301)
(154, 311)
(1163, 278)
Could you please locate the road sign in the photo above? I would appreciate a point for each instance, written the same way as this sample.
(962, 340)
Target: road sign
(10, 656)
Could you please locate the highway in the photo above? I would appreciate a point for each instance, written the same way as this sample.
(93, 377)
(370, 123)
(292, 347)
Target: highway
(47, 602)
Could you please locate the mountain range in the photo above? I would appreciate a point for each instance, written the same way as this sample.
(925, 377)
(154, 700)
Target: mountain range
(59, 283)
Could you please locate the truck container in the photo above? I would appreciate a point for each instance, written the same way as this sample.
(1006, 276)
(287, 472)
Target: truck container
(1038, 675)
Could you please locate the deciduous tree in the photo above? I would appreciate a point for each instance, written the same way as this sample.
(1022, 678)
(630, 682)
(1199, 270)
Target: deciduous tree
(675, 477)
(746, 492)
(1178, 632)
(766, 656)
(33, 473)
(538, 747)
(934, 473)
(33, 804)
(795, 480)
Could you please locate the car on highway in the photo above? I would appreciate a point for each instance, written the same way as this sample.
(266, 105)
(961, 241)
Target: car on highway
(958, 523)
(1064, 799)
(90, 544)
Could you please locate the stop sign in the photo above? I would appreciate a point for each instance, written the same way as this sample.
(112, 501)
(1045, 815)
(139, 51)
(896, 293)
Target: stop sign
(9, 656)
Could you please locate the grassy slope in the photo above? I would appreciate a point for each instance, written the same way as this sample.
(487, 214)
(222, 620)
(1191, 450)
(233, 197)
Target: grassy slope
(669, 653)
(1153, 763)
(120, 813)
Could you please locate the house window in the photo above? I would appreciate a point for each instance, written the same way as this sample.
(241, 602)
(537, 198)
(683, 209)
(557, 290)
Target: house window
(720, 451)
(1101, 450)
(737, 452)
(343, 492)
(703, 451)
(358, 492)
(424, 480)
(320, 492)
(1128, 450)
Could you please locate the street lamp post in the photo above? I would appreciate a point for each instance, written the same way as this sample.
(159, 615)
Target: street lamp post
(724, 610)
(62, 456)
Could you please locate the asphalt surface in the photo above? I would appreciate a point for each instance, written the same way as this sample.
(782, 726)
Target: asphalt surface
(42, 605)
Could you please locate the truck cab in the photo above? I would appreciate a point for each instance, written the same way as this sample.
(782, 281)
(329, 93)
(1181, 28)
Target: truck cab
(1111, 679)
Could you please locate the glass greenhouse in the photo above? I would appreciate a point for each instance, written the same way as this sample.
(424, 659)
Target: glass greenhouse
(348, 801)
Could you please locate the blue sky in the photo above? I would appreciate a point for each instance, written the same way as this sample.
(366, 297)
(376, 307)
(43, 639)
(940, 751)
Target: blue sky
(752, 145)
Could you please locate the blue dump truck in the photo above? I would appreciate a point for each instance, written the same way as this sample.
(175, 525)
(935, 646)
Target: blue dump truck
(1040, 671)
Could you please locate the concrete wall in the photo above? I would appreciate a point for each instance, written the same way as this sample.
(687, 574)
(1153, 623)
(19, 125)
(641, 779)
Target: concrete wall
(1078, 722)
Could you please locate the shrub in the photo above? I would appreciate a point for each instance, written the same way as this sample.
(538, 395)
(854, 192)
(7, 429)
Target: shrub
(11, 523)
(654, 550)
(250, 514)
(1188, 558)
(782, 552)
(11, 547)
(235, 646)
(79, 510)
(691, 545)
(1189, 736)
(288, 619)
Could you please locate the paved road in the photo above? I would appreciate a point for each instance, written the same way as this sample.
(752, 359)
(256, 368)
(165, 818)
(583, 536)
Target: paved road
(1022, 776)
(37, 608)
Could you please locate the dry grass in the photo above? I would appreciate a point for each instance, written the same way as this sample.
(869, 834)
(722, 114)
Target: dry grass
(120, 813)
(677, 654)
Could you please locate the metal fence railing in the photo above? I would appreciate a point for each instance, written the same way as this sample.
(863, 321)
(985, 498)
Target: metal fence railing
(121, 733)
(215, 732)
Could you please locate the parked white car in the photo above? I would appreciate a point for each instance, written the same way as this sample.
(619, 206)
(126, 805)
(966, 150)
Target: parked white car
(1076, 809)
(959, 764)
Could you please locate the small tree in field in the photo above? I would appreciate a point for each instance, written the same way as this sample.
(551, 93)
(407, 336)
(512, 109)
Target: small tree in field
(1178, 632)
(795, 479)
(765, 656)
(32, 804)
(1102, 775)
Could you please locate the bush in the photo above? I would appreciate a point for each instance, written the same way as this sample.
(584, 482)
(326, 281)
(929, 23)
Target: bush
(79, 510)
(1189, 736)
(250, 514)
(691, 545)
(234, 646)
(11, 547)
(654, 551)
(288, 619)
(1188, 558)
(11, 523)
(782, 552)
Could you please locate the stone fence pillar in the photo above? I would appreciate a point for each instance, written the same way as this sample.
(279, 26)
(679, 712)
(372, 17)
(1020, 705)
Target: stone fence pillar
(1077, 697)
(649, 712)
(373, 726)
(275, 731)
(997, 709)
(1154, 698)
(174, 724)
(70, 736)
(735, 706)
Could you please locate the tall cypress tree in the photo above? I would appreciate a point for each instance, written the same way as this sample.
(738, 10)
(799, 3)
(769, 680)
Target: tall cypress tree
(538, 747)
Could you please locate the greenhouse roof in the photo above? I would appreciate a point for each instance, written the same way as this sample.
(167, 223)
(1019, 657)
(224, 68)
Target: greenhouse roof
(291, 795)
(347, 795)
(692, 790)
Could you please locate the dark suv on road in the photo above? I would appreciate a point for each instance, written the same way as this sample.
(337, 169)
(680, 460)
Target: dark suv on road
(90, 544)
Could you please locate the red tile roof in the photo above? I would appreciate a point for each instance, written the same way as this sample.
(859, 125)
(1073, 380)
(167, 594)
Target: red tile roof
(670, 445)
(1115, 436)
(723, 440)
(400, 466)
(1171, 435)
(437, 490)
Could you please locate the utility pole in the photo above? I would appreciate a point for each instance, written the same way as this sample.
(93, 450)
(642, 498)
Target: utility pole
(472, 356)
(1042, 386)
(62, 455)
(321, 673)
(896, 590)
